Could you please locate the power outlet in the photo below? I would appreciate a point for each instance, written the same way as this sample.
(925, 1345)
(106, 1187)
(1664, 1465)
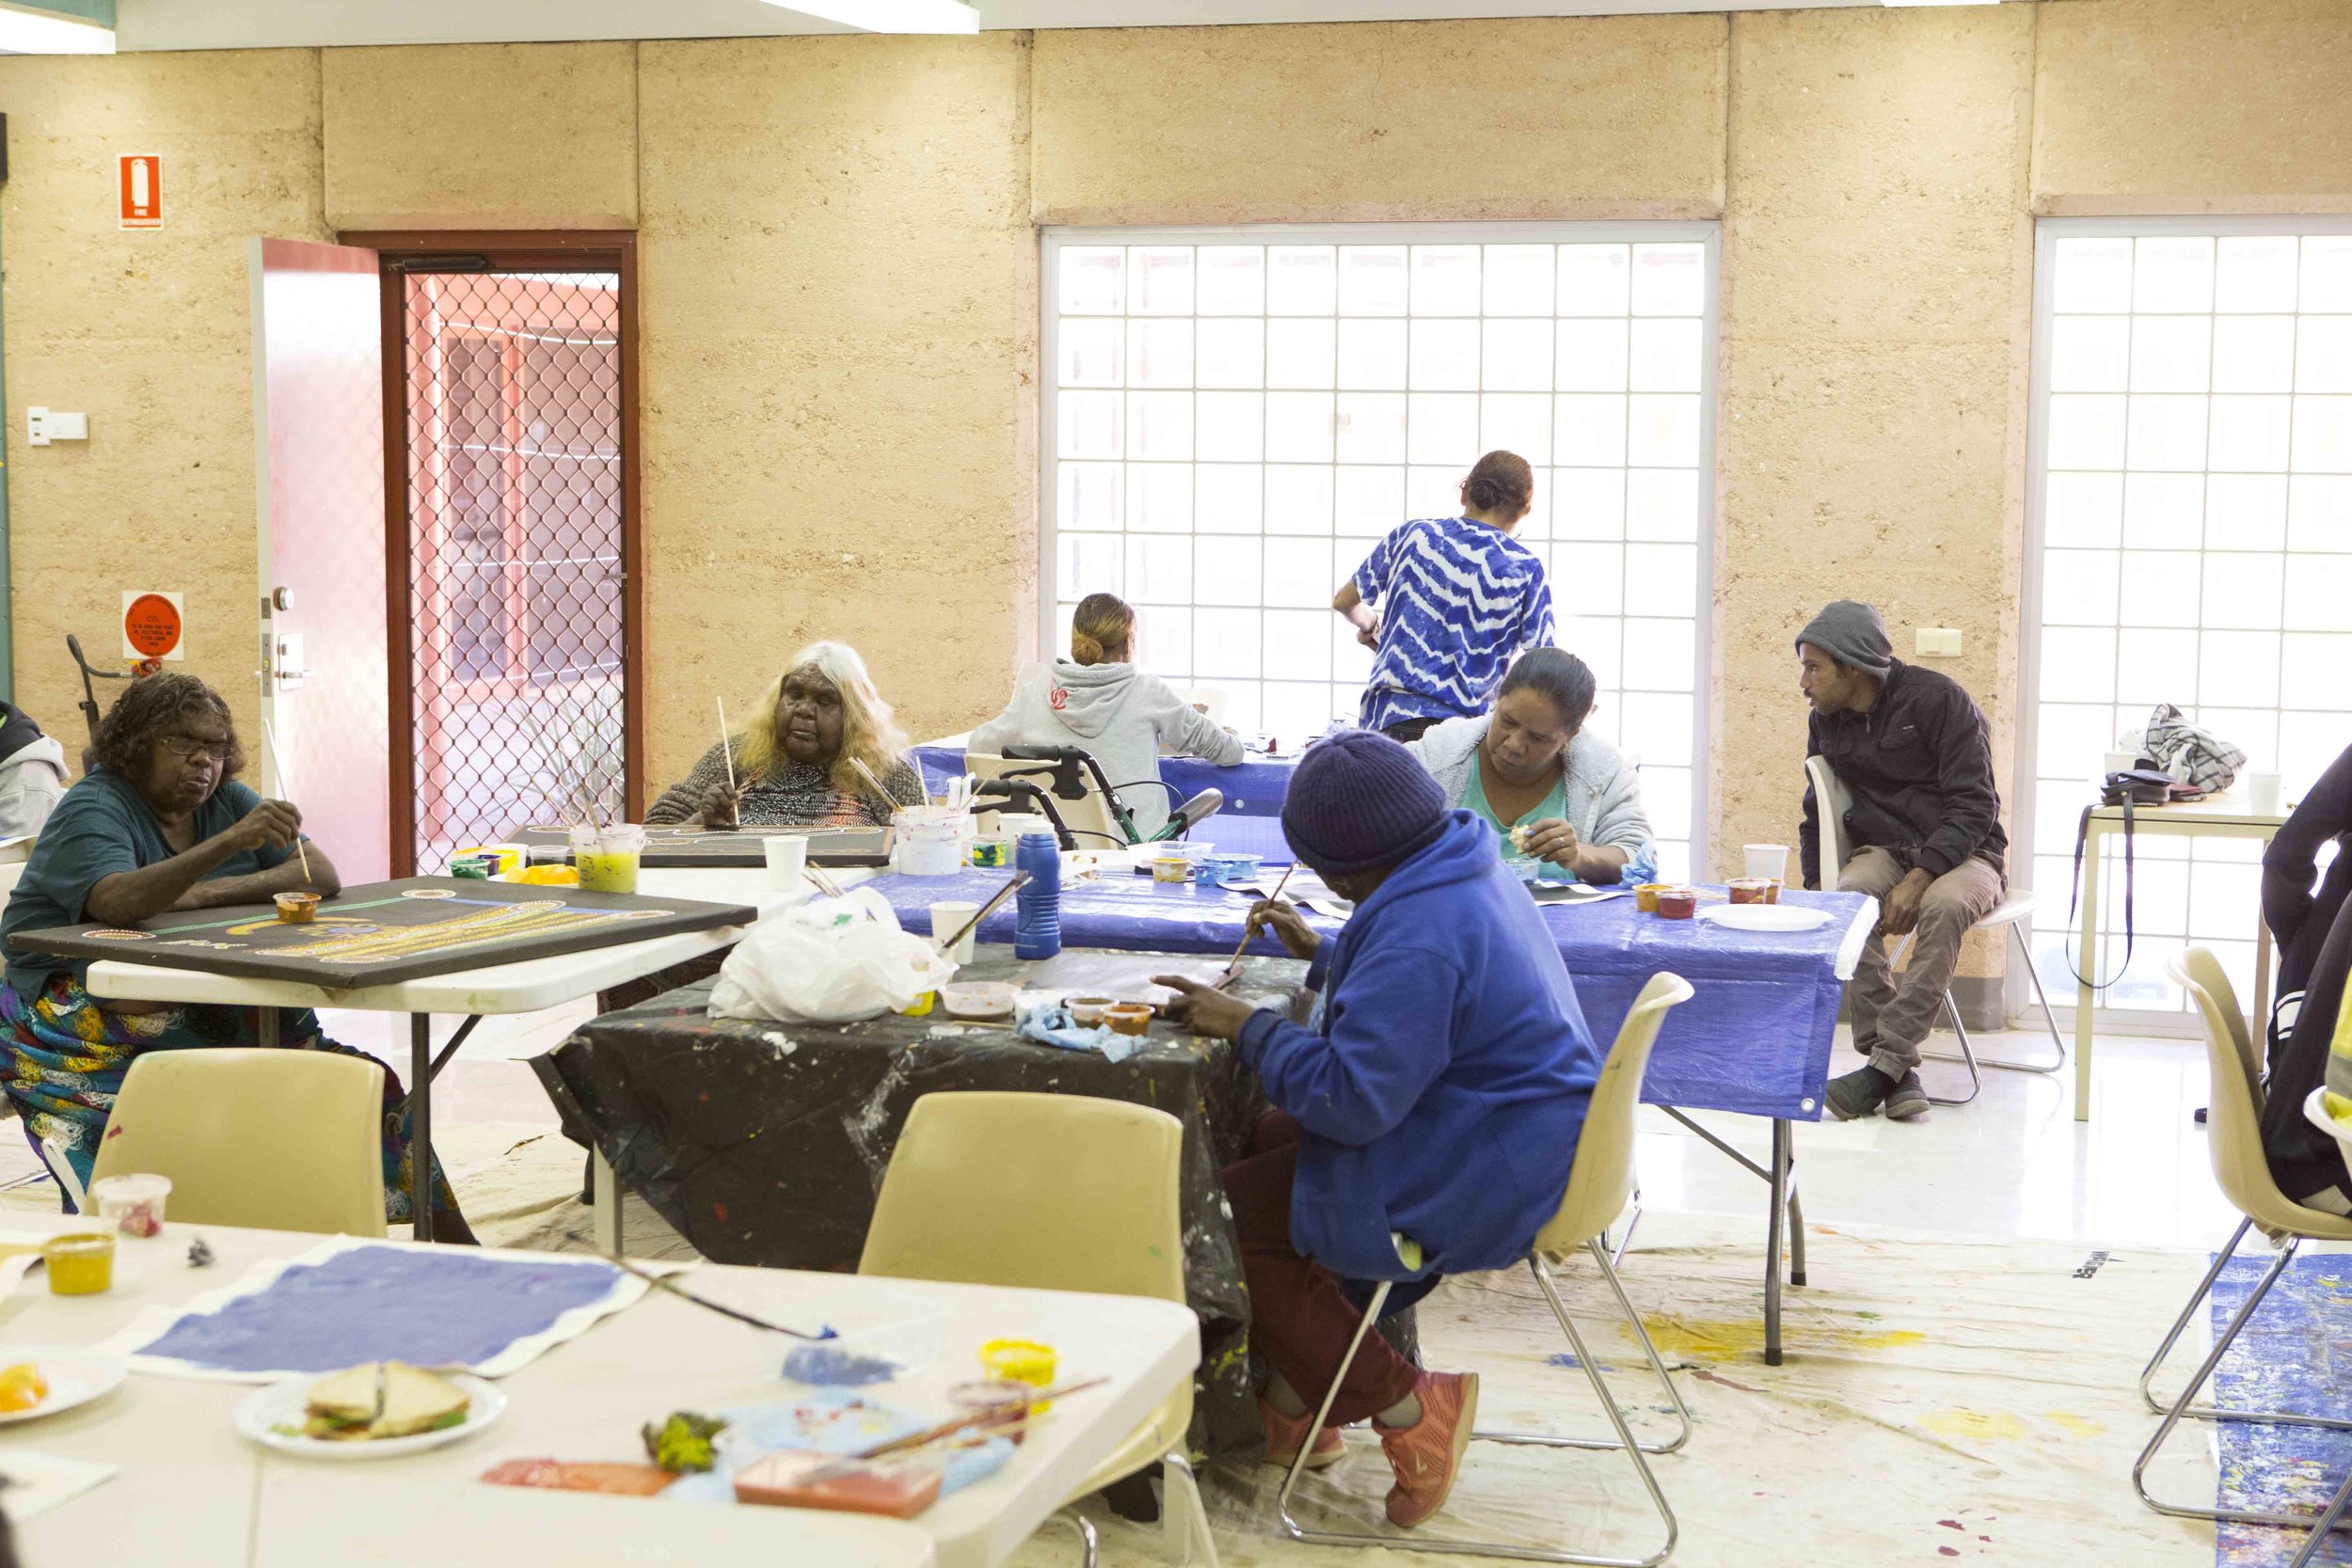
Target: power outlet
(44, 426)
(1938, 642)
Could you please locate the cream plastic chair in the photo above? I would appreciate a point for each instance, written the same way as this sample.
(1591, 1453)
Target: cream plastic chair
(2234, 1141)
(1089, 818)
(279, 1140)
(1601, 1183)
(980, 1192)
(2014, 911)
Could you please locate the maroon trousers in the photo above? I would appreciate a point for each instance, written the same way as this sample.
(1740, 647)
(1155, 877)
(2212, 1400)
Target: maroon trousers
(1299, 1317)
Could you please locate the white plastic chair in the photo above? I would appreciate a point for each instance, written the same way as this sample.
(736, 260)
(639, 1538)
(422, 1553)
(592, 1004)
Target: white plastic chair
(2014, 911)
(2234, 1143)
(1599, 1184)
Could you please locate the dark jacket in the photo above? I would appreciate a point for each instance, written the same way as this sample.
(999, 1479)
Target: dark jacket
(1444, 1090)
(2300, 920)
(1919, 767)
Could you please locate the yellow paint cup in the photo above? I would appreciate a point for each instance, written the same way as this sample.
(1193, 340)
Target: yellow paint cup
(81, 1264)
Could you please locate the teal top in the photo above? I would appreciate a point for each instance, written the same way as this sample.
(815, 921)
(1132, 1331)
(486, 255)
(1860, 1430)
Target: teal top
(1552, 805)
(100, 828)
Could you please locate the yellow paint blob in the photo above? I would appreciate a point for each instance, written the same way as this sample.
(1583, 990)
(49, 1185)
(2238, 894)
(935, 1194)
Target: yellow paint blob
(1722, 1338)
(1980, 1425)
(2078, 1426)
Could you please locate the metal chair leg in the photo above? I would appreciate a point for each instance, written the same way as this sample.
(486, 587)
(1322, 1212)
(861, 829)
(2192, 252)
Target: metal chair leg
(1968, 1054)
(2181, 1406)
(2180, 1325)
(2049, 1020)
(1616, 1254)
(1186, 1526)
(1625, 1442)
(2320, 1528)
(1086, 1543)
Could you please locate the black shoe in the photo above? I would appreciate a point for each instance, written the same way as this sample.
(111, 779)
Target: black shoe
(1857, 1093)
(1907, 1099)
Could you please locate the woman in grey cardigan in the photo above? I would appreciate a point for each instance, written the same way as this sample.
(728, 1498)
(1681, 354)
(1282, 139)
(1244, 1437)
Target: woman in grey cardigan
(1554, 793)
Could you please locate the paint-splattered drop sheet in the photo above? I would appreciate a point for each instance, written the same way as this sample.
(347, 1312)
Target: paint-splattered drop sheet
(349, 1300)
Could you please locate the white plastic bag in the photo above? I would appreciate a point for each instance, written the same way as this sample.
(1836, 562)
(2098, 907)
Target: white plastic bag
(826, 962)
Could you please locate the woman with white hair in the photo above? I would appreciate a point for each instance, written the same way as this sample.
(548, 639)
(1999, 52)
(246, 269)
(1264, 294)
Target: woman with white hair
(795, 759)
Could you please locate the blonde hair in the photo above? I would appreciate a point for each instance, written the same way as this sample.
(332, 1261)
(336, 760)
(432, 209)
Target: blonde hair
(1101, 623)
(869, 733)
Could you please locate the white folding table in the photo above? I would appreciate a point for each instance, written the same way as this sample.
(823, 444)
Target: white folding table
(471, 994)
(193, 1492)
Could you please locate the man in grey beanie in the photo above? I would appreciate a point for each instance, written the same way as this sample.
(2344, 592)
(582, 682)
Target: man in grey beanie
(1923, 834)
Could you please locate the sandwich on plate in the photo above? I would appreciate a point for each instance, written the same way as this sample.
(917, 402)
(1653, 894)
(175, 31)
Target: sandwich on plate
(381, 1398)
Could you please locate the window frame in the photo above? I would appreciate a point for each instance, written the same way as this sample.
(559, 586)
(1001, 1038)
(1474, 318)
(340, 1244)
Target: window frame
(1707, 233)
(2024, 801)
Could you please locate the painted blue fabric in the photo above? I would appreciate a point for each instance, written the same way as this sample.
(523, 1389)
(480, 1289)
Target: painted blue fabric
(1458, 602)
(2289, 1357)
(1444, 1092)
(1755, 1039)
(100, 828)
(441, 1306)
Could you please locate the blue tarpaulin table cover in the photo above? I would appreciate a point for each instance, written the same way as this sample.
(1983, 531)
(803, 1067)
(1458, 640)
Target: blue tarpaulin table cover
(1754, 1039)
(1250, 822)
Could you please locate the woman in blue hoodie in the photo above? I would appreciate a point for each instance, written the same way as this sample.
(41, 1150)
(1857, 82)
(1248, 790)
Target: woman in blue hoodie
(1438, 1098)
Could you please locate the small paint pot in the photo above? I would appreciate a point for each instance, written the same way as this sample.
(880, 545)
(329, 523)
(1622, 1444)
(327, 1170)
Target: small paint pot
(1171, 868)
(81, 1264)
(1750, 890)
(299, 909)
(1088, 1010)
(132, 1202)
(1128, 1018)
(1772, 892)
(1678, 903)
(992, 853)
(979, 999)
(1645, 897)
(1022, 1361)
(998, 1405)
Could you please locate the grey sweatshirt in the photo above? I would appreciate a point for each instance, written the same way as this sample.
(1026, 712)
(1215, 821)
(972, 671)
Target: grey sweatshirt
(1121, 714)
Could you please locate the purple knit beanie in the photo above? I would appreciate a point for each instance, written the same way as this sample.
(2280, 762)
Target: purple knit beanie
(1360, 803)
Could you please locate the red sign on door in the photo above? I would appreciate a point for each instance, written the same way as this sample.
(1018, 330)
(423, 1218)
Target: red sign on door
(142, 191)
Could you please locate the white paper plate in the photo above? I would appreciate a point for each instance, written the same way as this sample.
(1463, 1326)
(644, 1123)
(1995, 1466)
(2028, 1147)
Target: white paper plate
(264, 1413)
(75, 1376)
(1764, 917)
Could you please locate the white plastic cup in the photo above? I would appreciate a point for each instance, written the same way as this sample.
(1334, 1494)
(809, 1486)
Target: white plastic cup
(132, 1202)
(948, 917)
(2121, 762)
(1768, 861)
(2265, 792)
(788, 860)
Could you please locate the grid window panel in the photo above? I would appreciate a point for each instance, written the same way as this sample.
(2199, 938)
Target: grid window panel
(1235, 419)
(2195, 540)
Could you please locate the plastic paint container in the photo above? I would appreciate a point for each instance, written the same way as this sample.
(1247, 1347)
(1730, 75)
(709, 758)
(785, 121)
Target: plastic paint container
(930, 841)
(1019, 1361)
(1171, 868)
(1645, 897)
(1678, 903)
(992, 853)
(996, 1403)
(1087, 1011)
(1128, 1018)
(299, 909)
(1037, 907)
(81, 1264)
(1229, 868)
(1750, 890)
(132, 1202)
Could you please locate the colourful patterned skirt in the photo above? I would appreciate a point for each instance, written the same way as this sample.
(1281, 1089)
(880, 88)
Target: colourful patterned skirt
(62, 1057)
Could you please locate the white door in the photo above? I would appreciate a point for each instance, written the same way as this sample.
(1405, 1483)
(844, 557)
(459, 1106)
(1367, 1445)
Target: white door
(318, 428)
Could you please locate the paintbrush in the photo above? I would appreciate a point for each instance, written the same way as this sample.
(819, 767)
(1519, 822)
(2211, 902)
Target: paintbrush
(726, 745)
(279, 758)
(886, 799)
(1233, 969)
(663, 1282)
(988, 909)
(951, 1428)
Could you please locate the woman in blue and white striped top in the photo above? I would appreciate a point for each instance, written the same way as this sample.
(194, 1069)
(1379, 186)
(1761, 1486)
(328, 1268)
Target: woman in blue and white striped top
(1446, 602)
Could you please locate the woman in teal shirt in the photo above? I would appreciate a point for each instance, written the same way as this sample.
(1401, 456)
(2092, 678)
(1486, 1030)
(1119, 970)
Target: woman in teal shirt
(160, 824)
(1529, 766)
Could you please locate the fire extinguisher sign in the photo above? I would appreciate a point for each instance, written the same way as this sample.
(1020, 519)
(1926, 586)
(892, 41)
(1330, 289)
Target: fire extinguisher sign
(142, 179)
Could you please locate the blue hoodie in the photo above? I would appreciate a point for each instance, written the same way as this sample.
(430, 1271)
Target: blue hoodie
(1443, 1094)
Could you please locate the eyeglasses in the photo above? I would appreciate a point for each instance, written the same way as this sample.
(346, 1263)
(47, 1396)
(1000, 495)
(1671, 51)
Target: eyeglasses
(187, 749)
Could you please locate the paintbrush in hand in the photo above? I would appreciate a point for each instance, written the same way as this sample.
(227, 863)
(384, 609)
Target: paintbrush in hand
(279, 758)
(1233, 969)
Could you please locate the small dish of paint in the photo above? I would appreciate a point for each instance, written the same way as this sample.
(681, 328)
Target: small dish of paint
(1128, 1018)
(1645, 897)
(299, 909)
(1170, 868)
(979, 999)
(1678, 903)
(1087, 1010)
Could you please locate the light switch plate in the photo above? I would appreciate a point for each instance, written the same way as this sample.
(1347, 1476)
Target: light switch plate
(43, 426)
(1938, 642)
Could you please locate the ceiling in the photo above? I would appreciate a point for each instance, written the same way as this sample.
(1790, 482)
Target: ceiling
(305, 23)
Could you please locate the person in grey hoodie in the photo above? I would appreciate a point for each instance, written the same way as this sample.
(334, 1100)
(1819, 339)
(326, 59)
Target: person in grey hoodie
(1098, 699)
(32, 773)
(1553, 794)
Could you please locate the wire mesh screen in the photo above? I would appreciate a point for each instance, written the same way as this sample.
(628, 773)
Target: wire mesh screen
(514, 590)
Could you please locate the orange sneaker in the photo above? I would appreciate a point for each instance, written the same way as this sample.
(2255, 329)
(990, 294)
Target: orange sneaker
(1427, 1455)
(1283, 1434)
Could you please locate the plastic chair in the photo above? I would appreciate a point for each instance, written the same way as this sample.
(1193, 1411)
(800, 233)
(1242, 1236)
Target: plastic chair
(277, 1140)
(11, 873)
(2233, 1134)
(1088, 817)
(980, 1191)
(2014, 911)
(1599, 1184)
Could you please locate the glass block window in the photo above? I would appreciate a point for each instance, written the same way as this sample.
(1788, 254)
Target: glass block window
(2193, 510)
(1232, 420)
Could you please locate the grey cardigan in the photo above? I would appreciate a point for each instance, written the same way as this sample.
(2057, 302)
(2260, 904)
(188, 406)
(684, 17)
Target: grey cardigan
(1603, 794)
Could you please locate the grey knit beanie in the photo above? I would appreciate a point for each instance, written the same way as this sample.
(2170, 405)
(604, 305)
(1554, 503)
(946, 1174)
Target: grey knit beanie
(1854, 635)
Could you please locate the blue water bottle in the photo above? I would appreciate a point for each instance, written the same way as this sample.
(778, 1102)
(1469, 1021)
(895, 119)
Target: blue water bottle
(1037, 931)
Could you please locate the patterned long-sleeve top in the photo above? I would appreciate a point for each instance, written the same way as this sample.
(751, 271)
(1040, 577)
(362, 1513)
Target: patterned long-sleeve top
(801, 796)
